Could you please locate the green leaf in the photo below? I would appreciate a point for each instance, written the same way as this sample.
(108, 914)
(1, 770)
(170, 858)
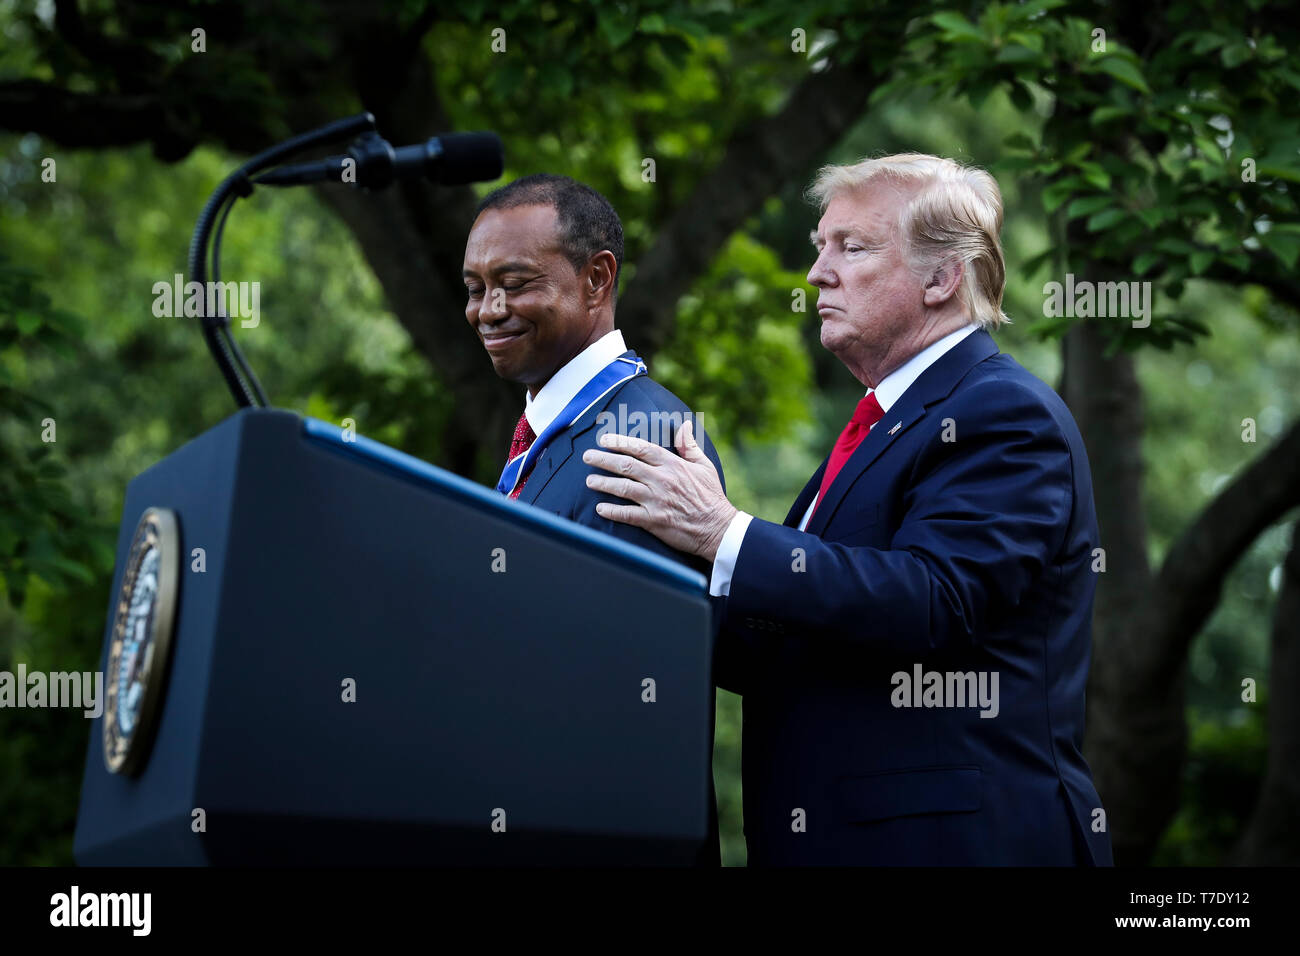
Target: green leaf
(1234, 55)
(1105, 219)
(617, 30)
(1079, 151)
(1286, 247)
(1095, 175)
(1056, 193)
(1205, 42)
(1201, 260)
(1278, 172)
(1015, 53)
(1107, 114)
(1087, 205)
(652, 23)
(1151, 216)
(1126, 72)
(1027, 11)
(1143, 263)
(1035, 263)
(1020, 140)
(956, 26)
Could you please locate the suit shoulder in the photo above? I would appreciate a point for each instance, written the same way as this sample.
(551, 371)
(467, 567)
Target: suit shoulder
(1002, 388)
(643, 408)
(645, 394)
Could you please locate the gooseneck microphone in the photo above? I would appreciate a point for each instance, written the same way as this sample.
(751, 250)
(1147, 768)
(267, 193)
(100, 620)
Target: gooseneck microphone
(371, 163)
(453, 160)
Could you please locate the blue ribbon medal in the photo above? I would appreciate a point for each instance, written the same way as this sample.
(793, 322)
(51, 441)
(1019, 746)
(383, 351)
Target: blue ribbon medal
(611, 376)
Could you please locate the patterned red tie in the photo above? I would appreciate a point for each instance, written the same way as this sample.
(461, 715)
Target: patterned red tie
(865, 415)
(523, 440)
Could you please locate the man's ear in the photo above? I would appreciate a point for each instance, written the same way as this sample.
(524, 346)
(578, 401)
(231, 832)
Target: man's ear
(944, 282)
(598, 278)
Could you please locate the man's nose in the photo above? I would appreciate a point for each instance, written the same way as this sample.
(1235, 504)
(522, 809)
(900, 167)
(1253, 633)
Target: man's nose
(819, 275)
(493, 308)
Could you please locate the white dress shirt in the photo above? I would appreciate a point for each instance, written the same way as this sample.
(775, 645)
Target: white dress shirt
(888, 392)
(565, 384)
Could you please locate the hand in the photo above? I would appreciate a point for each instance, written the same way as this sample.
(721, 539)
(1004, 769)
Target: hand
(679, 500)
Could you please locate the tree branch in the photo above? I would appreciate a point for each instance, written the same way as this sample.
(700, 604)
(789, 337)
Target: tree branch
(82, 120)
(758, 161)
(1264, 273)
(132, 63)
(1272, 838)
(1188, 584)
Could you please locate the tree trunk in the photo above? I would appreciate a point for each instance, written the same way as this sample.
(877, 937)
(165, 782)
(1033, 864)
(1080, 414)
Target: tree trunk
(1273, 836)
(1136, 730)
(1144, 623)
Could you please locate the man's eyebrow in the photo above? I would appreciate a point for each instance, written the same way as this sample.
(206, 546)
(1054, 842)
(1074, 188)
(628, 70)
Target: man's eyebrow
(844, 232)
(503, 267)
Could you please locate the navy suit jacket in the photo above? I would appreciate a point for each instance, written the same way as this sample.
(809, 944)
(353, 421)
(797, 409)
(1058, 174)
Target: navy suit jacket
(958, 537)
(558, 483)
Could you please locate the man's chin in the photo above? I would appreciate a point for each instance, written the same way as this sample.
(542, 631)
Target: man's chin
(508, 370)
(830, 341)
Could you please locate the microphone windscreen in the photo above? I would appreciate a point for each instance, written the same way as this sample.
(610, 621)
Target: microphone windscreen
(470, 158)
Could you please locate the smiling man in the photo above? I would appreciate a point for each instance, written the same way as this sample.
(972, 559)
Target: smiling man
(912, 642)
(541, 277)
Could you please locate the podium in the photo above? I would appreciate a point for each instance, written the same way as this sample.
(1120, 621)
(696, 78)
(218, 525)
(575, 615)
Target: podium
(372, 661)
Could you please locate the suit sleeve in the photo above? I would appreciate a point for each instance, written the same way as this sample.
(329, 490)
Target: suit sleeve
(982, 517)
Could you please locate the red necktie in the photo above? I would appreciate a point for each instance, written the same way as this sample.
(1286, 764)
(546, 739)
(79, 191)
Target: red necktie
(865, 415)
(523, 440)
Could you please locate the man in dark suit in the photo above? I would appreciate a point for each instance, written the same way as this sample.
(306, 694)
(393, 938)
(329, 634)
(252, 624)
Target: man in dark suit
(541, 274)
(912, 643)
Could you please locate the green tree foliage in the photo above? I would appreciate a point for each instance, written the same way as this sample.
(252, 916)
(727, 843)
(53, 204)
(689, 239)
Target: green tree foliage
(1171, 134)
(43, 530)
(1137, 150)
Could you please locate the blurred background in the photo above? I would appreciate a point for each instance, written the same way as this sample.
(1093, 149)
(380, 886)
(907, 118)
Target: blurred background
(1159, 144)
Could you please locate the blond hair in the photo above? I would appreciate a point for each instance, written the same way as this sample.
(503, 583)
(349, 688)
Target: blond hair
(954, 212)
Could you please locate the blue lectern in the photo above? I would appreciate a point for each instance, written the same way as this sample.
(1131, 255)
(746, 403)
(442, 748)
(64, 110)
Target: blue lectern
(321, 651)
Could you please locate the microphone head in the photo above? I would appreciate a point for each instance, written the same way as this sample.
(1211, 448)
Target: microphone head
(470, 158)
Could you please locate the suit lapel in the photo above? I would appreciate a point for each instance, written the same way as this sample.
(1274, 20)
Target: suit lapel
(878, 439)
(553, 458)
(932, 385)
(805, 497)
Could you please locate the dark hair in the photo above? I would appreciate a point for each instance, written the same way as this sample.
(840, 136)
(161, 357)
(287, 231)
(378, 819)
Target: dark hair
(586, 222)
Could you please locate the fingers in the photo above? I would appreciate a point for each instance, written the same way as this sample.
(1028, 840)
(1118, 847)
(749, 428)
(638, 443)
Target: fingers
(639, 448)
(687, 447)
(623, 465)
(619, 487)
(627, 514)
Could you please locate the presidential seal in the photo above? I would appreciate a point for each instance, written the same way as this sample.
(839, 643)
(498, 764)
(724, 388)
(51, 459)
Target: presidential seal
(141, 640)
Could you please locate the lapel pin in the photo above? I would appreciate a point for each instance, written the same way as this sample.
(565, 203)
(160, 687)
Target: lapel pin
(896, 428)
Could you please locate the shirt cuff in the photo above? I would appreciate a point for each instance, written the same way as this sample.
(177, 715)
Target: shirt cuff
(724, 563)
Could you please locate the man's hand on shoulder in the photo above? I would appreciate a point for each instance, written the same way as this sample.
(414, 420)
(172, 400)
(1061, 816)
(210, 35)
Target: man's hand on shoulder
(677, 498)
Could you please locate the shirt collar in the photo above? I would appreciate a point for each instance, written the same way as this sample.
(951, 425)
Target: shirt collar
(893, 385)
(570, 379)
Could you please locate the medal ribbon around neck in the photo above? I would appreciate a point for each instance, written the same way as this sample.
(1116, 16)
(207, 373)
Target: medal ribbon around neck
(611, 376)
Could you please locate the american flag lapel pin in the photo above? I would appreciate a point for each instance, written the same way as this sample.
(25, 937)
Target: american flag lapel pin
(896, 427)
